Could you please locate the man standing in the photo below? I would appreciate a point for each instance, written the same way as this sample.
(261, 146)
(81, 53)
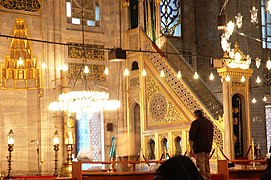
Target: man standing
(201, 136)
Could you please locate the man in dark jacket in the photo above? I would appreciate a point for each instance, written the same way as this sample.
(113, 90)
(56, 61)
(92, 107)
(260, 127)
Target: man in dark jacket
(201, 136)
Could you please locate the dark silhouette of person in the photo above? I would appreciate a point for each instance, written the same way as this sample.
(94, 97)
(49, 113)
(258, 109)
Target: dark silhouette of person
(178, 168)
(267, 172)
(201, 137)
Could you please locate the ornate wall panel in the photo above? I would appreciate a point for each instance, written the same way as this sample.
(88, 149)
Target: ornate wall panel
(134, 82)
(96, 72)
(161, 111)
(23, 5)
(93, 52)
(133, 41)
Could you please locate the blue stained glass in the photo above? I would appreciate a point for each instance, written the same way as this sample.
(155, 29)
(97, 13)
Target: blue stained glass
(83, 136)
(90, 23)
(170, 17)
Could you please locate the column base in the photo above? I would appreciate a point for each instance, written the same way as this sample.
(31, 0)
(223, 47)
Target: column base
(66, 170)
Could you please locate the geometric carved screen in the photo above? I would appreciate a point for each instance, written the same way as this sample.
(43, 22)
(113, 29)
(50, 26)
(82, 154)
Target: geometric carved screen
(158, 106)
(92, 52)
(161, 111)
(24, 5)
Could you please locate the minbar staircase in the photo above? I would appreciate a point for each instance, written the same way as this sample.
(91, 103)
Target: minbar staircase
(198, 86)
(193, 93)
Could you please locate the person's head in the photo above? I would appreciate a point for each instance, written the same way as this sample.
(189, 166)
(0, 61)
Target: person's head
(176, 168)
(198, 114)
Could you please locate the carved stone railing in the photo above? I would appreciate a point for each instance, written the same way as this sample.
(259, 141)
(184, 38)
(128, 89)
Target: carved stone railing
(137, 40)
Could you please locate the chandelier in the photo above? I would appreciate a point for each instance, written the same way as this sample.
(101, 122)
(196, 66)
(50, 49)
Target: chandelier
(235, 58)
(74, 101)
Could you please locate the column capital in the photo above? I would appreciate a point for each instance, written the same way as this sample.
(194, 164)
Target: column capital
(237, 72)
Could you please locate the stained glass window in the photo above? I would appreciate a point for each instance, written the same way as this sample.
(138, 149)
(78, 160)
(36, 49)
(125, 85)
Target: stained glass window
(24, 5)
(91, 12)
(170, 17)
(266, 26)
(90, 136)
(268, 126)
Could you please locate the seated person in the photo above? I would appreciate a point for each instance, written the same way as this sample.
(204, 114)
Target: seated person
(267, 172)
(178, 168)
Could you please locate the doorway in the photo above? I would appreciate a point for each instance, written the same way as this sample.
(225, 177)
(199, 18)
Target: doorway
(238, 118)
(136, 128)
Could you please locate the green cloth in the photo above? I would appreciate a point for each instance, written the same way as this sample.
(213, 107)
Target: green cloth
(113, 149)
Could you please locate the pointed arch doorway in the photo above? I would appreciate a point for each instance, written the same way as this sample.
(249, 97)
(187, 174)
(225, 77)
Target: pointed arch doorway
(239, 125)
(135, 128)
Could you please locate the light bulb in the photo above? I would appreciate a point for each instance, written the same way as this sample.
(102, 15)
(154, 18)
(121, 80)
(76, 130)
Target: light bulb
(254, 101)
(239, 20)
(264, 99)
(179, 75)
(225, 44)
(162, 74)
(258, 80)
(230, 27)
(268, 64)
(231, 53)
(55, 140)
(126, 72)
(237, 57)
(43, 65)
(196, 76)
(254, 18)
(243, 79)
(144, 73)
(258, 62)
(106, 71)
(228, 78)
(211, 77)
(86, 69)
(64, 67)
(20, 62)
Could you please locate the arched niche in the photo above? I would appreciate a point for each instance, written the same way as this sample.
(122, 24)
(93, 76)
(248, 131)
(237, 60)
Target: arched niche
(239, 125)
(135, 128)
(151, 149)
(164, 147)
(178, 145)
(135, 66)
